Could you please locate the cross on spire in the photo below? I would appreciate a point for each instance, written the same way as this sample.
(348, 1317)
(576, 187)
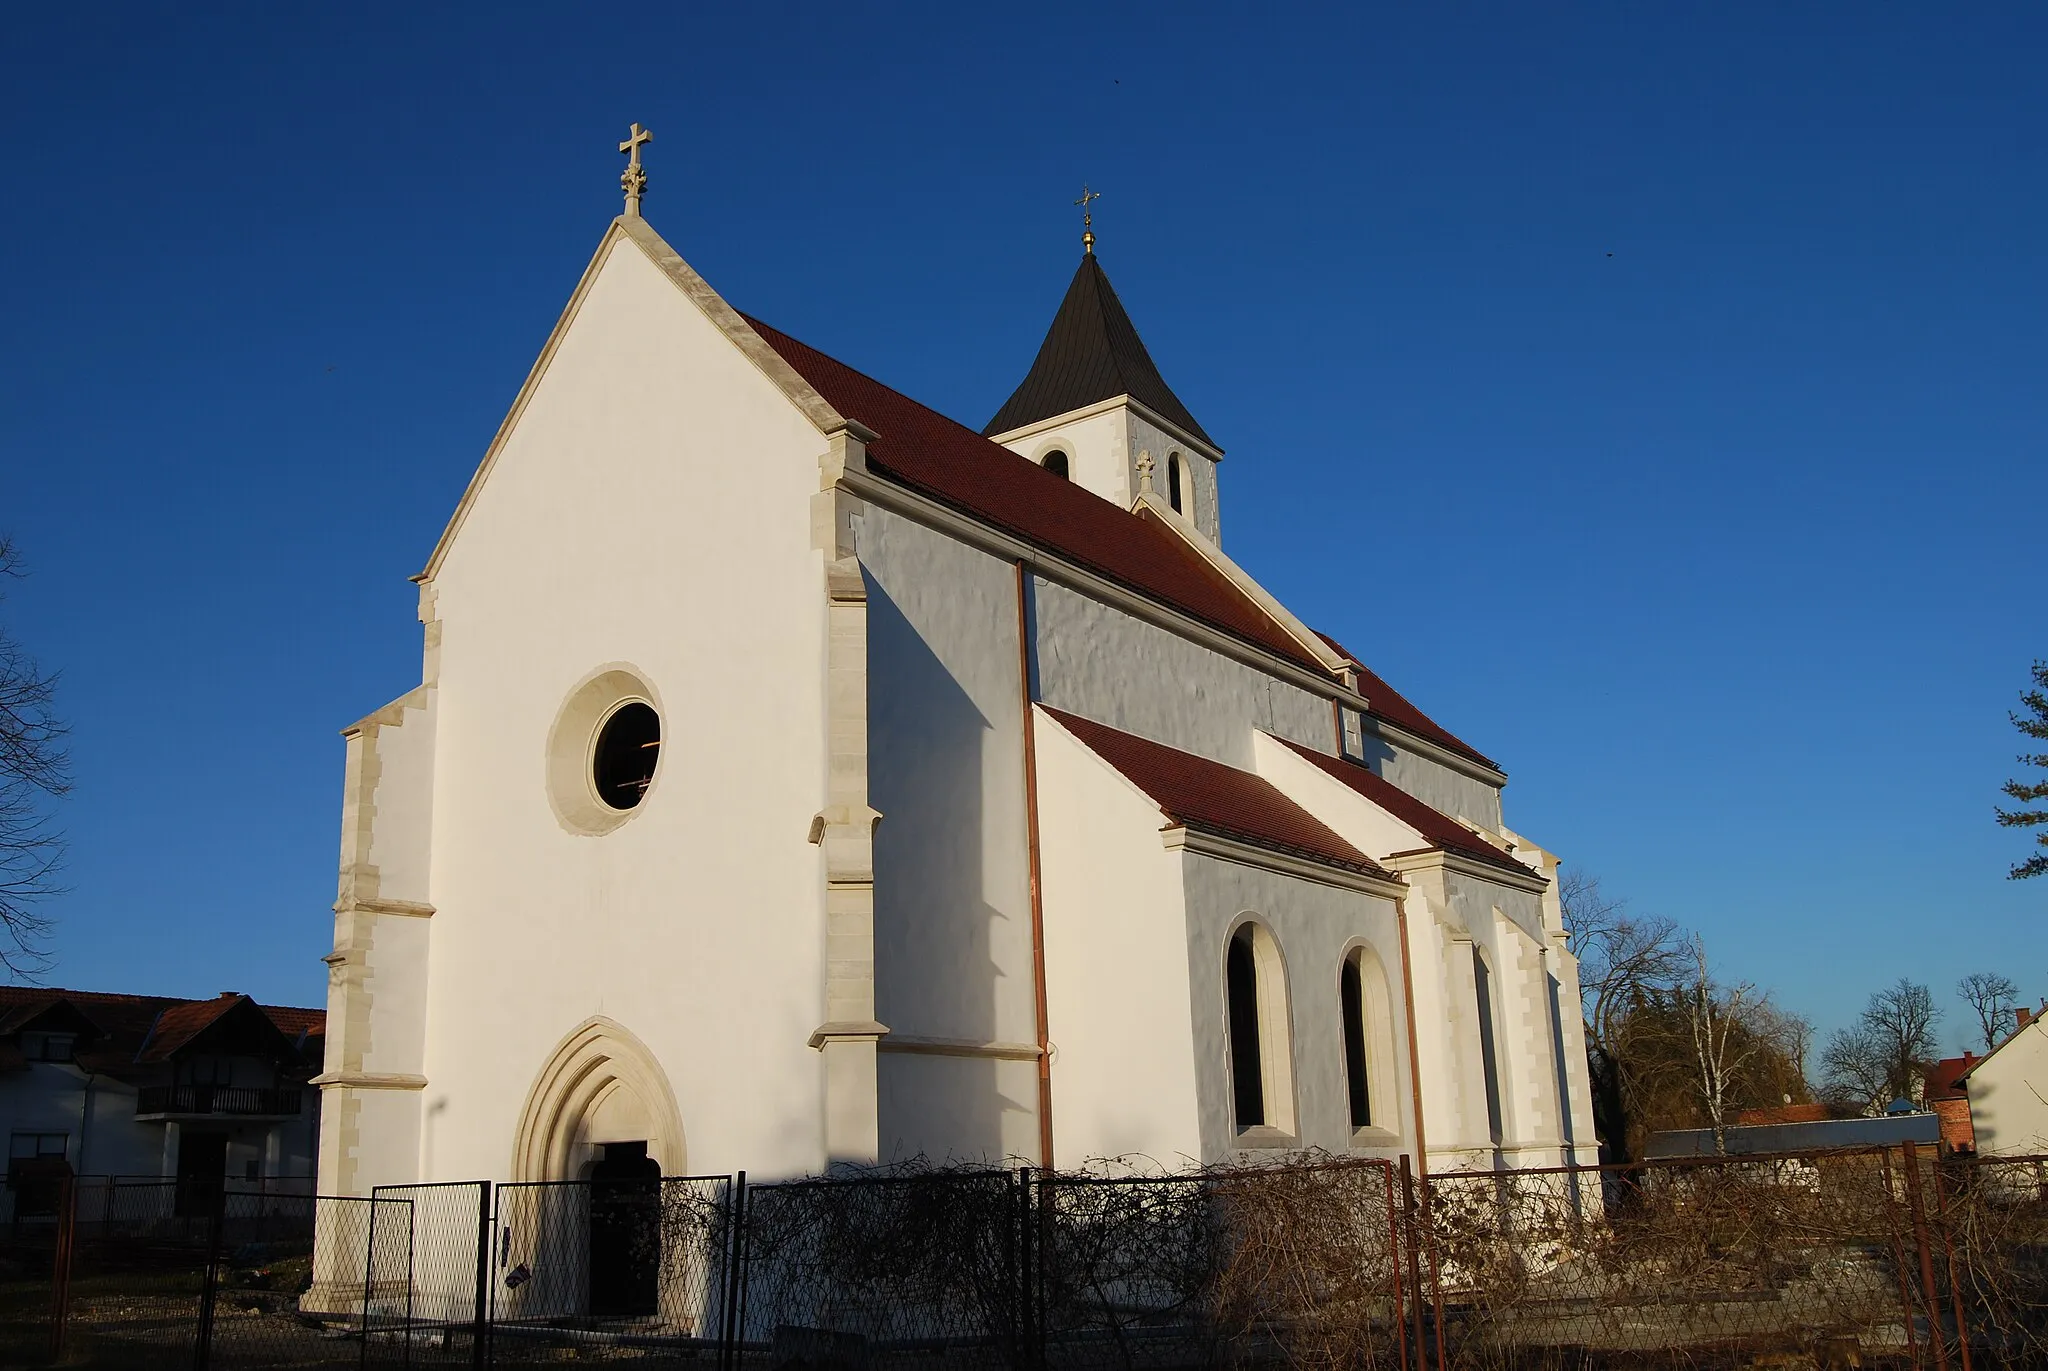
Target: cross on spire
(634, 181)
(1087, 218)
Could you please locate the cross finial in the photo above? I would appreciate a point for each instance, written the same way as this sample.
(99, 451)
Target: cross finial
(1144, 472)
(634, 181)
(1087, 219)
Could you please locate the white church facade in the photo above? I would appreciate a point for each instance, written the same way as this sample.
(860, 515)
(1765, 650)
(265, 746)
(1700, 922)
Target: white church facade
(799, 778)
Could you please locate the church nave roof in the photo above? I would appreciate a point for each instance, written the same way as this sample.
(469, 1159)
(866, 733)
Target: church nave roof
(923, 449)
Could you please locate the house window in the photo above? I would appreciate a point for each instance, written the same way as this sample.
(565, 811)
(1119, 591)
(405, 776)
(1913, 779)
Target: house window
(36, 1171)
(49, 1047)
(1261, 1043)
(1173, 481)
(1482, 986)
(1056, 463)
(628, 746)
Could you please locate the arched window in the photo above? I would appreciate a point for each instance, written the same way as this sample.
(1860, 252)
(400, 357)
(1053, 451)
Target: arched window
(1261, 1042)
(1173, 478)
(1368, 1040)
(1357, 1072)
(1056, 463)
(1482, 986)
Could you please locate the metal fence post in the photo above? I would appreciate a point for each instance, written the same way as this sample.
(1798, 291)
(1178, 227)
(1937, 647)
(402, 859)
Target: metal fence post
(730, 1317)
(60, 1267)
(480, 1339)
(202, 1346)
(1413, 1229)
(1930, 1294)
(1891, 1212)
(1955, 1284)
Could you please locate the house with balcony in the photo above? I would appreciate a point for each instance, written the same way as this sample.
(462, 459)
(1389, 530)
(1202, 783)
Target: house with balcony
(199, 1092)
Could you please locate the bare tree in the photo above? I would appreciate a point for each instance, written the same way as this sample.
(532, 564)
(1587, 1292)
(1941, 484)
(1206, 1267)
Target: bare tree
(1622, 958)
(1731, 1026)
(1903, 1015)
(1888, 1051)
(1992, 998)
(34, 769)
(1857, 1069)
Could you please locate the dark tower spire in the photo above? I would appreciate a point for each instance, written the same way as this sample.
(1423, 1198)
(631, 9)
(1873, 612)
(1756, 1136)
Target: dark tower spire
(1091, 353)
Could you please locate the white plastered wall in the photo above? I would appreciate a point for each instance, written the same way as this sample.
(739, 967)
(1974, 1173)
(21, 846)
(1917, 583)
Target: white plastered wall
(2009, 1095)
(1103, 664)
(1315, 926)
(1443, 788)
(649, 511)
(1117, 997)
(953, 961)
(1546, 1105)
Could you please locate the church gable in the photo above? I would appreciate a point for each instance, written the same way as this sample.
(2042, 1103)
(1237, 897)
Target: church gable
(642, 330)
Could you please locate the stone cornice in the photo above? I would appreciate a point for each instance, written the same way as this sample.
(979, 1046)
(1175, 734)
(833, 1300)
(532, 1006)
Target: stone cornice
(851, 1030)
(972, 531)
(409, 909)
(1184, 839)
(368, 1080)
(1437, 752)
(1143, 411)
(1218, 561)
(1436, 859)
(958, 1047)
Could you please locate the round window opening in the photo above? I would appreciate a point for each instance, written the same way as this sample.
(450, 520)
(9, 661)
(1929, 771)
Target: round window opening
(628, 747)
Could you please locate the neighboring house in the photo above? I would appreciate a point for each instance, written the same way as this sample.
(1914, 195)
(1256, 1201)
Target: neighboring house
(2008, 1091)
(1941, 1090)
(198, 1091)
(799, 777)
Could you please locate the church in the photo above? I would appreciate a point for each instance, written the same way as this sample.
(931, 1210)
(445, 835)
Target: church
(799, 778)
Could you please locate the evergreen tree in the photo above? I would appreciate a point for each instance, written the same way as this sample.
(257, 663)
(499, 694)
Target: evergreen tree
(2033, 723)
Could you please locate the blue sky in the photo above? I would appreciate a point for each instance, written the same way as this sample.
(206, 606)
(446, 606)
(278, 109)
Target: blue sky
(1653, 393)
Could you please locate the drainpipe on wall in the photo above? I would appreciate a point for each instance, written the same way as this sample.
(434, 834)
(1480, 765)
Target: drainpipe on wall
(85, 1121)
(1025, 701)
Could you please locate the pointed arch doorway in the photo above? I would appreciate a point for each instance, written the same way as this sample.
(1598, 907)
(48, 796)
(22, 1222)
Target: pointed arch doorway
(601, 1111)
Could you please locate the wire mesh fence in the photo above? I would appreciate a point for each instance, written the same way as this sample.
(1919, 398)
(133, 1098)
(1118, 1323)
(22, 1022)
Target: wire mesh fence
(623, 1266)
(1873, 1257)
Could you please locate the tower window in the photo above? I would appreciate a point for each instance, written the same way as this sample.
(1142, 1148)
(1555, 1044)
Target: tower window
(1056, 463)
(1173, 497)
(628, 746)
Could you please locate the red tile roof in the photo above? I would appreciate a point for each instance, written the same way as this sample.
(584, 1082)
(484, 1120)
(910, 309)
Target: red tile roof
(153, 1026)
(1944, 1081)
(1213, 798)
(1383, 701)
(923, 449)
(1438, 830)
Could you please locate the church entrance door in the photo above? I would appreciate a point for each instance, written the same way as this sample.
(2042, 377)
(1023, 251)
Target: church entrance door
(625, 1231)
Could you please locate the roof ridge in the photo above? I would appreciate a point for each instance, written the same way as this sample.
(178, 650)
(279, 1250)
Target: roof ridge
(919, 447)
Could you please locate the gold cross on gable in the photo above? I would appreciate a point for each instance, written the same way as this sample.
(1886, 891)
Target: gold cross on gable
(1087, 219)
(634, 181)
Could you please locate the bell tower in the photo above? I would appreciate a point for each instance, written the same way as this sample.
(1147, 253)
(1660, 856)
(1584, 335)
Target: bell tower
(1094, 401)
